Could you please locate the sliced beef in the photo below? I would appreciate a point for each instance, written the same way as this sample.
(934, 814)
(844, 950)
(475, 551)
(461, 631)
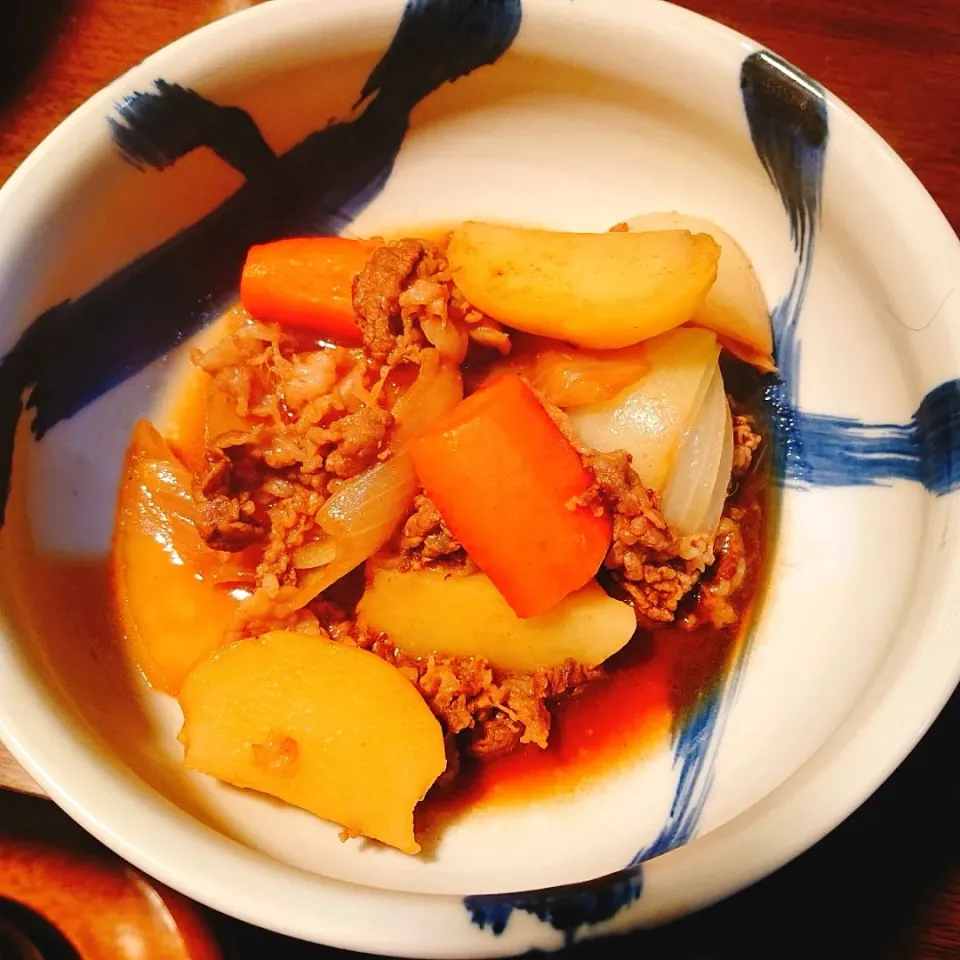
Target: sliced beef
(376, 294)
(656, 569)
(746, 440)
(723, 581)
(425, 537)
(224, 525)
(496, 711)
(227, 517)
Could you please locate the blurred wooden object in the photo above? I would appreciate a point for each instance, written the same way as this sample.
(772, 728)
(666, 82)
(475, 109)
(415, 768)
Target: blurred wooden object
(14, 777)
(102, 908)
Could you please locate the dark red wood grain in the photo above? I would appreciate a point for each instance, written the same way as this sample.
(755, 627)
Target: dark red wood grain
(896, 63)
(887, 882)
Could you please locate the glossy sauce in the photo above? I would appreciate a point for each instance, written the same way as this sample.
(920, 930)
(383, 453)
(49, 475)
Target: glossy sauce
(651, 685)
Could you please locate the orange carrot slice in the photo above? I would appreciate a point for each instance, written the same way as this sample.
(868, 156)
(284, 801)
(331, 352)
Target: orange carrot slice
(504, 477)
(306, 282)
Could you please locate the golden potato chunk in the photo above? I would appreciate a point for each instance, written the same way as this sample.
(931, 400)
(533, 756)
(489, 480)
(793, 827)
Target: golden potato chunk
(601, 290)
(735, 307)
(428, 611)
(332, 729)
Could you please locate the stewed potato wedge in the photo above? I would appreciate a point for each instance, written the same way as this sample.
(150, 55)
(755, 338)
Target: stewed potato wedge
(326, 727)
(428, 611)
(600, 290)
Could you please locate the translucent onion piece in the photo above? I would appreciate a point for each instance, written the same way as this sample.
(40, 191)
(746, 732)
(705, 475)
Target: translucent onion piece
(366, 511)
(447, 336)
(572, 377)
(719, 495)
(360, 517)
(437, 389)
(688, 493)
(649, 419)
(735, 307)
(318, 553)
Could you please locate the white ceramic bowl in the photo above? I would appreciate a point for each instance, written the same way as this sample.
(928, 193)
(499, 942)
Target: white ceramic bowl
(588, 113)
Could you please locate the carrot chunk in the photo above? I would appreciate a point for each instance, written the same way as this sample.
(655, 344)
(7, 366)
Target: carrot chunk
(503, 477)
(306, 282)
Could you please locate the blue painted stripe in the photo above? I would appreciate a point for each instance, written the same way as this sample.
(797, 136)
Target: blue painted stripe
(565, 908)
(692, 755)
(695, 742)
(845, 452)
(786, 113)
(156, 129)
(787, 116)
(78, 350)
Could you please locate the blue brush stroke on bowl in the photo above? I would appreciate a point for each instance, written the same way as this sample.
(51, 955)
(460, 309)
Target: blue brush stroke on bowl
(79, 349)
(786, 113)
(787, 116)
(845, 452)
(565, 908)
(692, 741)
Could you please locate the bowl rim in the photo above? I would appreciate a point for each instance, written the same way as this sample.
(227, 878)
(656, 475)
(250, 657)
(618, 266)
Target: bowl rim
(150, 832)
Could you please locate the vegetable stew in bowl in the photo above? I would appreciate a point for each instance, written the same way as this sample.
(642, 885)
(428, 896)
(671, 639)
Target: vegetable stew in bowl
(439, 512)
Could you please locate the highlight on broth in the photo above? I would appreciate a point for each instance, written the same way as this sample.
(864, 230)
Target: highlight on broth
(441, 484)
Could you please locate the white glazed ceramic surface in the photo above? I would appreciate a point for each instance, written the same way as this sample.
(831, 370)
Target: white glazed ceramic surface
(599, 110)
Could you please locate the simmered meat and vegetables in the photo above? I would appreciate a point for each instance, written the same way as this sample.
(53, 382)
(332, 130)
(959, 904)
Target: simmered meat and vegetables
(440, 484)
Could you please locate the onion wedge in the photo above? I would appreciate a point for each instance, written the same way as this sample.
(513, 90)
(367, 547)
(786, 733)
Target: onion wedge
(650, 418)
(437, 389)
(359, 518)
(703, 463)
(367, 510)
(719, 496)
(675, 423)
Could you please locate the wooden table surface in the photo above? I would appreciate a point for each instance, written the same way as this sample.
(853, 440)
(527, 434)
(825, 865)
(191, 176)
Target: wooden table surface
(887, 882)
